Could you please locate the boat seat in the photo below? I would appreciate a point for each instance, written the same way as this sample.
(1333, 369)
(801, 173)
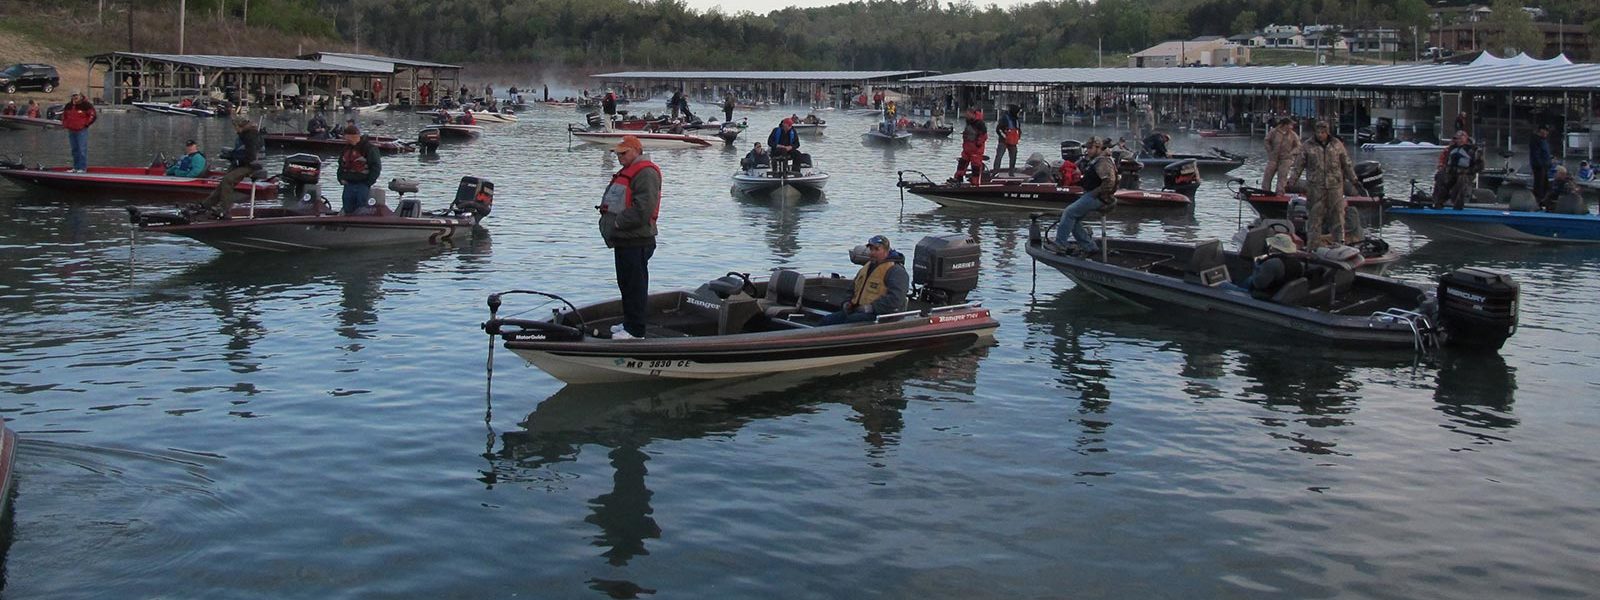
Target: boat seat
(1255, 242)
(403, 186)
(1293, 293)
(1206, 266)
(785, 292)
(702, 313)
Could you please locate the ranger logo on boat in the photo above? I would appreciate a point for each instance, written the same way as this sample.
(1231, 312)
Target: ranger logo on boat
(700, 303)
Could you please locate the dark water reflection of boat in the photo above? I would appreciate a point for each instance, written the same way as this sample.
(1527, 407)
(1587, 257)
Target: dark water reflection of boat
(626, 418)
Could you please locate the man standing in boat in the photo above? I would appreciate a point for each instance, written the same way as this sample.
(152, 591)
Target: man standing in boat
(1453, 182)
(727, 108)
(880, 287)
(785, 144)
(1282, 143)
(359, 167)
(1327, 167)
(1539, 161)
(608, 105)
(245, 156)
(77, 118)
(973, 139)
(1010, 130)
(628, 213)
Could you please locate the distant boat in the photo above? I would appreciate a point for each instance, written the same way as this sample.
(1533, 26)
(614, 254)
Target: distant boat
(1403, 147)
(1494, 226)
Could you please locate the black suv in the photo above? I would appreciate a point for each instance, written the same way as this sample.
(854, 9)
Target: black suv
(25, 76)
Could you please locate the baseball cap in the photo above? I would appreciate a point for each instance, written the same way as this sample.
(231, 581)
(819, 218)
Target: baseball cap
(628, 141)
(190, 143)
(878, 240)
(1281, 242)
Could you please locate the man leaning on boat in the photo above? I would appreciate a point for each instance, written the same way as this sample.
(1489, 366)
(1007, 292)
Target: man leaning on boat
(880, 287)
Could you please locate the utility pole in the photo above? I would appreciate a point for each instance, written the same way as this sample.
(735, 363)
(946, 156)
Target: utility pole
(182, 10)
(130, 27)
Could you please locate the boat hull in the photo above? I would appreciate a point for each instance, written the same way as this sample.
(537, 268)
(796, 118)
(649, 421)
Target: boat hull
(1037, 196)
(459, 132)
(647, 140)
(330, 146)
(1277, 206)
(21, 122)
(115, 181)
(880, 139)
(8, 460)
(760, 184)
(301, 233)
(1206, 163)
(1487, 226)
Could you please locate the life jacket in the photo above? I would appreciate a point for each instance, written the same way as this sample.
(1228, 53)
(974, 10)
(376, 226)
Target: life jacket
(871, 283)
(779, 138)
(353, 161)
(1460, 158)
(1070, 175)
(1091, 179)
(1295, 266)
(619, 195)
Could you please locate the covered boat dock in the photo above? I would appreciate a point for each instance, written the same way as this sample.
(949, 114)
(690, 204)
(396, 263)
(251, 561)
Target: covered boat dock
(125, 77)
(809, 88)
(1503, 104)
(409, 75)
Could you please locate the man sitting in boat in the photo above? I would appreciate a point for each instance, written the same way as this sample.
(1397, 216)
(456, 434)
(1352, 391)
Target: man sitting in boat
(1585, 172)
(467, 118)
(317, 127)
(757, 158)
(10, 109)
(193, 163)
(1564, 196)
(32, 112)
(812, 119)
(785, 144)
(1156, 144)
(880, 287)
(1284, 262)
(245, 157)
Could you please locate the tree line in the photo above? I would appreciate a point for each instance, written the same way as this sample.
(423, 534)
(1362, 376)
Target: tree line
(861, 35)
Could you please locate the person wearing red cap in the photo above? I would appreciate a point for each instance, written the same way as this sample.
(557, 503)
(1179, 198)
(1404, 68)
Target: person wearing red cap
(628, 213)
(784, 143)
(359, 167)
(973, 139)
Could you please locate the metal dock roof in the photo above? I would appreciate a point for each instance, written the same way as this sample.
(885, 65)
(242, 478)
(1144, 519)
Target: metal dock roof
(1571, 78)
(253, 63)
(765, 75)
(361, 60)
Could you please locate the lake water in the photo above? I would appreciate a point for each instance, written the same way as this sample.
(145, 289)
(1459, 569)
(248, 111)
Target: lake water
(321, 425)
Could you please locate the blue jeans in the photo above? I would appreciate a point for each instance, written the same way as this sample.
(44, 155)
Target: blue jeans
(356, 196)
(837, 318)
(80, 148)
(633, 280)
(1072, 221)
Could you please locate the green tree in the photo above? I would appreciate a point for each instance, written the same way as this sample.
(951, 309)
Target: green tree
(1245, 22)
(1511, 29)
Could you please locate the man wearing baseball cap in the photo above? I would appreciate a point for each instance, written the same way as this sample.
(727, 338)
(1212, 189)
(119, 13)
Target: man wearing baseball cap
(628, 212)
(77, 118)
(193, 163)
(880, 287)
(245, 157)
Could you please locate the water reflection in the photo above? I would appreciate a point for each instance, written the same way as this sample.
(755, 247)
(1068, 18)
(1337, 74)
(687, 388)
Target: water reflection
(627, 418)
(779, 216)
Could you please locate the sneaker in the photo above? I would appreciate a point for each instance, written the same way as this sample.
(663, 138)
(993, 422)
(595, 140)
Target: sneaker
(619, 333)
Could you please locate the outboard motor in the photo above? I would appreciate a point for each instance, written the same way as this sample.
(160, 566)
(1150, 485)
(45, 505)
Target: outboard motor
(428, 141)
(1128, 173)
(946, 268)
(301, 172)
(1478, 307)
(1071, 150)
(595, 120)
(1182, 177)
(1370, 172)
(476, 196)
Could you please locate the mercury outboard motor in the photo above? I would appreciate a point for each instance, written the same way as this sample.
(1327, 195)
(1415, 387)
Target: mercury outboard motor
(428, 141)
(301, 172)
(1181, 176)
(595, 120)
(1478, 307)
(946, 268)
(476, 196)
(1071, 150)
(1370, 172)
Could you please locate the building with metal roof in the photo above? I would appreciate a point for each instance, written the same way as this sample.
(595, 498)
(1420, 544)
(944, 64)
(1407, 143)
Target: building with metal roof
(813, 87)
(119, 77)
(753, 76)
(1581, 78)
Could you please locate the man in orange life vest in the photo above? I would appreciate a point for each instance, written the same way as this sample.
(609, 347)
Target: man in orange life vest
(880, 287)
(628, 213)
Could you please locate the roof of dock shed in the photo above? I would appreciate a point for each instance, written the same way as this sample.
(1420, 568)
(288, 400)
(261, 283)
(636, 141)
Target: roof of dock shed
(1571, 78)
(249, 63)
(766, 75)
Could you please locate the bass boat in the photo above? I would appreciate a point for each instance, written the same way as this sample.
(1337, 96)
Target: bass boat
(734, 326)
(764, 180)
(331, 145)
(117, 182)
(1218, 161)
(1497, 226)
(880, 138)
(22, 122)
(1326, 304)
(646, 139)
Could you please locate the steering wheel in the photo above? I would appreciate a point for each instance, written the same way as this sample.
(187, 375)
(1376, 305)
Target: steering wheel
(748, 287)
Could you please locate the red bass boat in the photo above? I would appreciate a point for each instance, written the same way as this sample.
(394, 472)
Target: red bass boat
(125, 181)
(331, 145)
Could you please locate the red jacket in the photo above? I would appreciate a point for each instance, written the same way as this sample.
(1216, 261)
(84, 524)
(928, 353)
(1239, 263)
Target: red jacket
(78, 117)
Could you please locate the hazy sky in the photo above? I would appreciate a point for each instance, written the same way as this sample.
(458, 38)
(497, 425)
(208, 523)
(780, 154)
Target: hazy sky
(763, 6)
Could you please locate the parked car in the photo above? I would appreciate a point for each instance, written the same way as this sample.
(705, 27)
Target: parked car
(29, 76)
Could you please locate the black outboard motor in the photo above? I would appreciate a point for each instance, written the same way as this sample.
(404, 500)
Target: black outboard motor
(595, 120)
(1128, 173)
(1478, 307)
(1370, 172)
(946, 268)
(428, 141)
(1071, 150)
(476, 196)
(1181, 176)
(301, 172)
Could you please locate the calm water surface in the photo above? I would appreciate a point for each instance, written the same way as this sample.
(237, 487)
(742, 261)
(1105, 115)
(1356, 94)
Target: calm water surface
(321, 425)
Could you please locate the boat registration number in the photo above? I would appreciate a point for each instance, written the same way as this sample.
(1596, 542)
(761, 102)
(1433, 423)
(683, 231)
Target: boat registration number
(630, 363)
